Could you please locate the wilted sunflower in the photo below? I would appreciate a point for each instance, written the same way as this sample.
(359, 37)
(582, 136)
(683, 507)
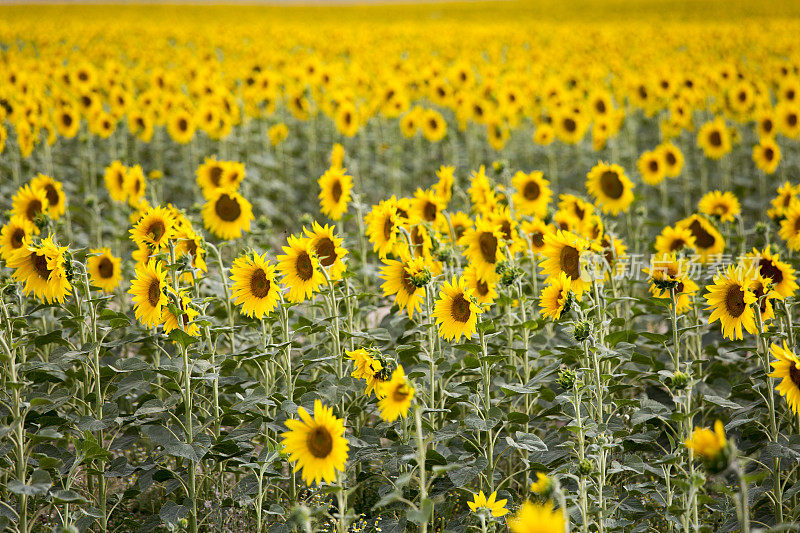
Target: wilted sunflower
(254, 286)
(114, 178)
(729, 298)
(13, 235)
(483, 286)
(154, 229)
(396, 396)
(368, 368)
(317, 445)
(300, 268)
(54, 191)
(532, 194)
(562, 253)
(708, 241)
(779, 272)
(721, 205)
(399, 281)
(610, 187)
(104, 269)
(537, 518)
(227, 214)
(335, 192)
(28, 203)
(767, 155)
(382, 226)
(651, 167)
(714, 138)
(328, 248)
(556, 297)
(42, 268)
(148, 289)
(674, 239)
(483, 245)
(787, 368)
(455, 312)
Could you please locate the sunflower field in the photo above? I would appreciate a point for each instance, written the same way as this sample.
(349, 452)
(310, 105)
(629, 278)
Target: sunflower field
(508, 266)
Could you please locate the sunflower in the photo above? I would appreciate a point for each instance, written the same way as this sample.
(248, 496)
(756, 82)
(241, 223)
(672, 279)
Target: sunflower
(410, 123)
(562, 253)
(135, 184)
(382, 226)
(610, 187)
(708, 444)
(337, 156)
(459, 223)
(537, 518)
(181, 126)
(724, 206)
(455, 312)
(444, 186)
(278, 133)
(674, 240)
(535, 230)
(667, 270)
(570, 127)
(114, 178)
(788, 117)
(672, 158)
(154, 229)
(328, 248)
(68, 122)
(346, 119)
(483, 286)
(492, 504)
(484, 245)
(556, 297)
(254, 286)
(104, 269)
(532, 194)
(708, 241)
(43, 269)
(764, 294)
(149, 291)
(398, 276)
(481, 192)
(28, 203)
(427, 207)
(14, 234)
(227, 214)
(787, 194)
(189, 242)
(366, 367)
(396, 396)
(651, 167)
(209, 175)
(434, 128)
(787, 368)
(575, 207)
(767, 155)
(765, 124)
(544, 134)
(779, 272)
(184, 321)
(233, 174)
(714, 138)
(317, 445)
(300, 269)
(335, 192)
(729, 298)
(54, 191)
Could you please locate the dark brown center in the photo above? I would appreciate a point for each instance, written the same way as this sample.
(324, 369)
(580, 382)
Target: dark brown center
(34, 208)
(677, 244)
(215, 174)
(227, 208)
(326, 251)
(154, 292)
(488, 245)
(794, 374)
(304, 267)
(531, 191)
(460, 309)
(611, 184)
(768, 269)
(320, 442)
(569, 259)
(52, 194)
(570, 125)
(715, 138)
(429, 211)
(702, 238)
(16, 238)
(156, 230)
(259, 284)
(336, 190)
(40, 265)
(105, 268)
(734, 301)
(671, 159)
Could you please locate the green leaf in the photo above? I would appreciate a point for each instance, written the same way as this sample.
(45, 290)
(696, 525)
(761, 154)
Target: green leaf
(167, 440)
(39, 483)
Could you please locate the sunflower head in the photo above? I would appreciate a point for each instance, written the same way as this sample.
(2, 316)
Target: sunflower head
(227, 214)
(104, 269)
(316, 445)
(711, 447)
(335, 192)
(396, 396)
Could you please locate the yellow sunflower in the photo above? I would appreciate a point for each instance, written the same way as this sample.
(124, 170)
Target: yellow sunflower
(667, 269)
(14, 234)
(787, 369)
(455, 312)
(42, 268)
(328, 248)
(300, 269)
(104, 269)
(396, 396)
(481, 192)
(562, 253)
(54, 191)
(672, 157)
(610, 188)
(535, 230)
(532, 194)
(114, 178)
(556, 297)
(28, 203)
(722, 205)
(154, 229)
(316, 445)
(135, 184)
(398, 276)
(537, 518)
(185, 319)
(335, 192)
(492, 504)
(181, 126)
(708, 241)
(427, 207)
(790, 226)
(767, 155)
(434, 128)
(729, 298)
(209, 175)
(483, 286)
(382, 226)
(460, 222)
(227, 214)
(714, 138)
(787, 194)
(484, 245)
(779, 272)
(651, 167)
(674, 239)
(254, 286)
(368, 368)
(707, 444)
(444, 187)
(189, 242)
(149, 291)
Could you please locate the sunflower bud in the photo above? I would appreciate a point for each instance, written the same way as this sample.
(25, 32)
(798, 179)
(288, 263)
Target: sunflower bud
(306, 219)
(680, 380)
(42, 221)
(582, 331)
(499, 166)
(567, 378)
(584, 467)
(421, 278)
(445, 254)
(264, 223)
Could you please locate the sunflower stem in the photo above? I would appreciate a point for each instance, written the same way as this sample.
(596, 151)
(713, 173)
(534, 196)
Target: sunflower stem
(422, 450)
